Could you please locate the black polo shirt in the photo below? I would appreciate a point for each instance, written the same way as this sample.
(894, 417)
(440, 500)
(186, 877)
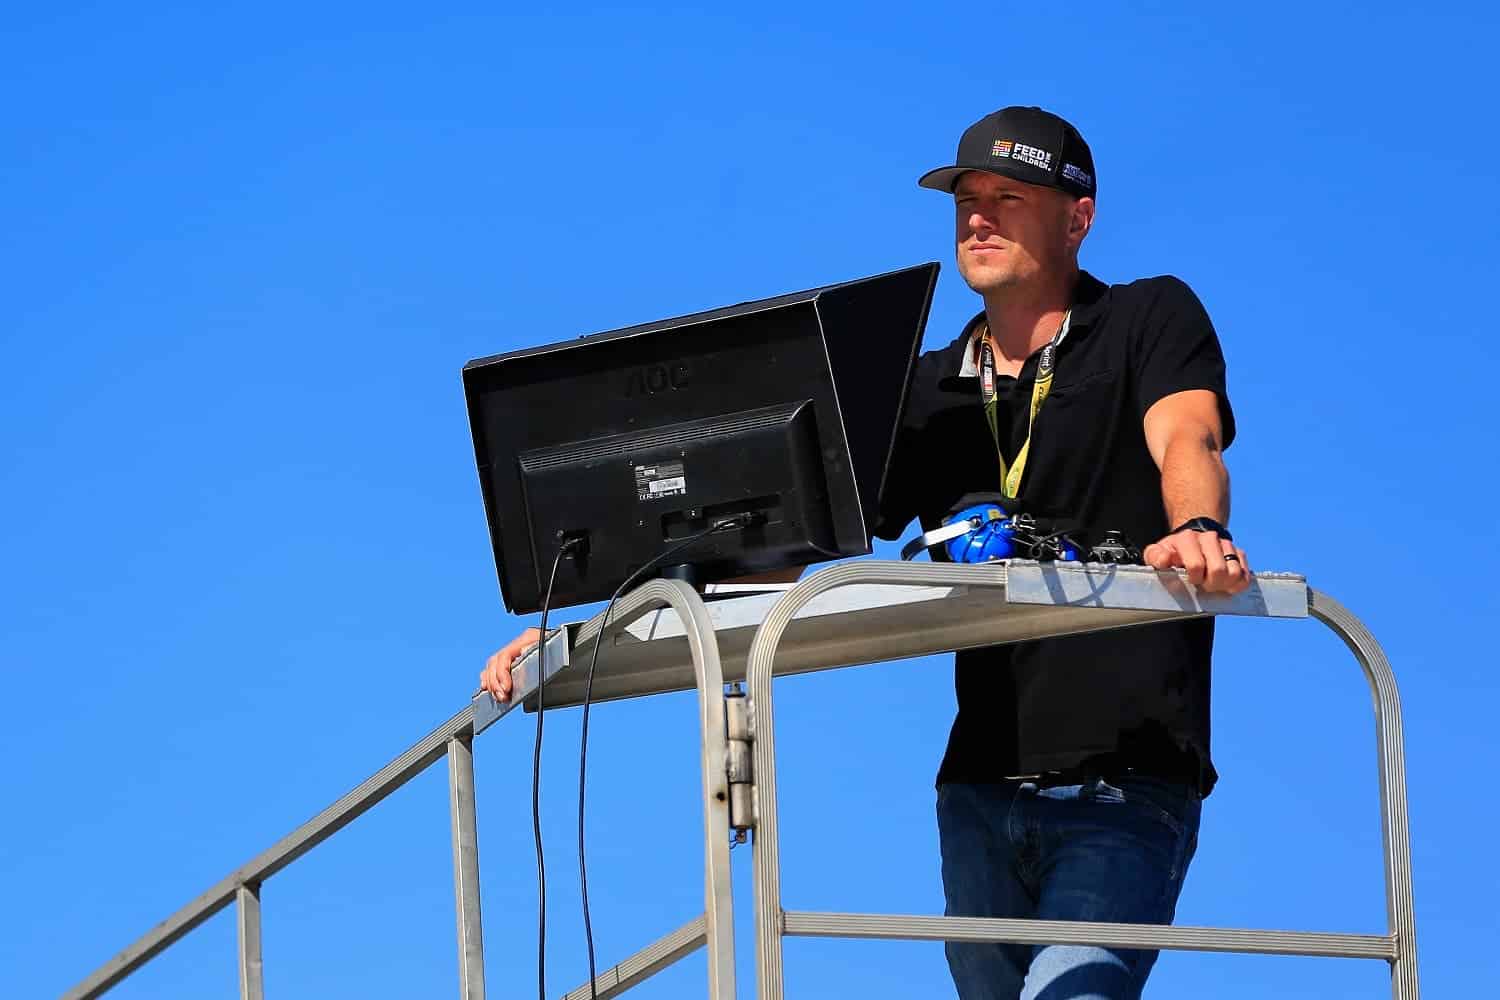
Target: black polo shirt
(1136, 697)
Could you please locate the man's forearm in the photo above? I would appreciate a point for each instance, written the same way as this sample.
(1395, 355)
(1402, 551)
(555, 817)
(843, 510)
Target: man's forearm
(1194, 479)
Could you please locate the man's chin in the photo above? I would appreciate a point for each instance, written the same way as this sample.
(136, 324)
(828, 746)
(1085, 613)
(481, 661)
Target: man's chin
(984, 282)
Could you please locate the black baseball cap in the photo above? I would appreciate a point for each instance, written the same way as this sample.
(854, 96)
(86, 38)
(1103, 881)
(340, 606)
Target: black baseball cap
(1024, 144)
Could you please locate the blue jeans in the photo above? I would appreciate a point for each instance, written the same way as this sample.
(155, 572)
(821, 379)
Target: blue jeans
(1111, 850)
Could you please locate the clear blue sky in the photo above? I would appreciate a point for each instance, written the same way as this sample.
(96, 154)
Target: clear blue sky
(247, 249)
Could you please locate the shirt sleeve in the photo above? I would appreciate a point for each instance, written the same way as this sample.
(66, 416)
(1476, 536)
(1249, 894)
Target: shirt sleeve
(1178, 350)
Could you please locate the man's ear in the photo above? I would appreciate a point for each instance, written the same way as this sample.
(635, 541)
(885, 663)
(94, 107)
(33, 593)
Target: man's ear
(1080, 220)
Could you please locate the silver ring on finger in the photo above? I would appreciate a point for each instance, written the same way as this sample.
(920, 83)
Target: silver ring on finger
(1230, 557)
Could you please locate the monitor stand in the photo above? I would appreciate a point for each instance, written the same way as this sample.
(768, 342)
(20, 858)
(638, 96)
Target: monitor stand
(685, 572)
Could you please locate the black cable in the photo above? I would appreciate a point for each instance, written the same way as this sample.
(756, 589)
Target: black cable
(536, 782)
(738, 521)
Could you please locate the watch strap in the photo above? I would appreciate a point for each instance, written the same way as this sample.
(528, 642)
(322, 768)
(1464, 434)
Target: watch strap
(1203, 524)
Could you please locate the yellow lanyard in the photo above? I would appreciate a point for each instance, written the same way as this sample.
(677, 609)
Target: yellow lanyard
(1011, 473)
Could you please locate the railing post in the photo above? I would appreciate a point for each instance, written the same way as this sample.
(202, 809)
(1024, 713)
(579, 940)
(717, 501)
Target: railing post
(772, 922)
(1394, 825)
(718, 888)
(247, 910)
(466, 867)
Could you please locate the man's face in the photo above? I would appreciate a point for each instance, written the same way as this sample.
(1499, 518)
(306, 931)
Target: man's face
(1010, 232)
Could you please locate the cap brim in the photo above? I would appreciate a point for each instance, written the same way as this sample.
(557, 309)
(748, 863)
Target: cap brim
(946, 178)
(942, 179)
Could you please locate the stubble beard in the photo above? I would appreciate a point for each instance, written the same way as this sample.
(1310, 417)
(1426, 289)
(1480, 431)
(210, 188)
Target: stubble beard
(987, 280)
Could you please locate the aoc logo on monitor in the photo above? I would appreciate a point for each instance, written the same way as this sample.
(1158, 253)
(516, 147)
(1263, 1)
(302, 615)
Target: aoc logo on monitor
(654, 379)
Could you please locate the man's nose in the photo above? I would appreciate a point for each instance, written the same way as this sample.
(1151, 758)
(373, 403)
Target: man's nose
(980, 224)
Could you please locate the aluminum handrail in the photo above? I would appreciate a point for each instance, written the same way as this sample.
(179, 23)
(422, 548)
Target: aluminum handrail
(1068, 584)
(902, 609)
(288, 849)
(454, 739)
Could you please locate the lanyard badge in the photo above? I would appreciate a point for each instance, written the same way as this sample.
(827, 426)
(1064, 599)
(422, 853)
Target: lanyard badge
(987, 392)
(1011, 473)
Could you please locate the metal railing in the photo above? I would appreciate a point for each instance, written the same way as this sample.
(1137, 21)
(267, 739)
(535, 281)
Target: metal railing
(454, 739)
(1064, 584)
(242, 886)
(663, 637)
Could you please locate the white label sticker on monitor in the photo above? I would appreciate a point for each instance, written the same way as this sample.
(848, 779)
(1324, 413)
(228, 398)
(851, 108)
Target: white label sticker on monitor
(657, 482)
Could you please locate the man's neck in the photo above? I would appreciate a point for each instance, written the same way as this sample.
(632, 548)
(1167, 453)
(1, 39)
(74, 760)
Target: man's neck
(1021, 320)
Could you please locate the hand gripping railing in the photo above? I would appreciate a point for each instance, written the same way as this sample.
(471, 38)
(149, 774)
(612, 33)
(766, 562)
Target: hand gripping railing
(1074, 586)
(454, 739)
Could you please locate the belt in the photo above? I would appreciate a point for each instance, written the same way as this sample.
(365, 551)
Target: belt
(1052, 779)
(1088, 775)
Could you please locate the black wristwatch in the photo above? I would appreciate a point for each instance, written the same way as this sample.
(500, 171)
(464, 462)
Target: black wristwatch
(1203, 524)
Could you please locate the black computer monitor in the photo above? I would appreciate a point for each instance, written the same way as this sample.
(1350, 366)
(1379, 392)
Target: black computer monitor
(784, 409)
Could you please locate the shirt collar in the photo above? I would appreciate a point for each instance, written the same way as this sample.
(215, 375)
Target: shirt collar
(1088, 293)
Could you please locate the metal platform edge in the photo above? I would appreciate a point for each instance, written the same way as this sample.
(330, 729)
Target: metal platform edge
(1141, 588)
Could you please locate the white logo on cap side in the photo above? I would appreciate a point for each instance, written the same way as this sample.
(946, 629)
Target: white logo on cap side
(1077, 174)
(1032, 155)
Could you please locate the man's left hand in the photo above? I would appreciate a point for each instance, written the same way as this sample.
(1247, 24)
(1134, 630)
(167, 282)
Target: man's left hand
(1212, 563)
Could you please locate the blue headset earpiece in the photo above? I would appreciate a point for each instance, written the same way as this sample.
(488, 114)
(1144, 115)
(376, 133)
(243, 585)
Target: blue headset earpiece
(985, 531)
(989, 538)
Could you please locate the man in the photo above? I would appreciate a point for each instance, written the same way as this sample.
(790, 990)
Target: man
(1071, 784)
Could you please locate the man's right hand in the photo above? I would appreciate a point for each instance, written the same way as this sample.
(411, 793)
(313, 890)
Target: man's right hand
(495, 677)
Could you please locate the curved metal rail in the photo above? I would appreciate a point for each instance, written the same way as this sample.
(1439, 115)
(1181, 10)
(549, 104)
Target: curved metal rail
(773, 923)
(884, 610)
(454, 739)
